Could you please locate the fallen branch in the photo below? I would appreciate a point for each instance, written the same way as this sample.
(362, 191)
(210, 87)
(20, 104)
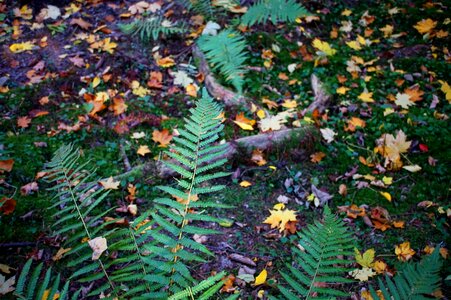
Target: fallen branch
(242, 146)
(216, 90)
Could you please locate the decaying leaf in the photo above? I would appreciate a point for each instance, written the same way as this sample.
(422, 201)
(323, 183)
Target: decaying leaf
(98, 246)
(110, 184)
(162, 137)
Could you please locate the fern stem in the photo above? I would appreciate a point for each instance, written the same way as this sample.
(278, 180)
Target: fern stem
(140, 257)
(80, 216)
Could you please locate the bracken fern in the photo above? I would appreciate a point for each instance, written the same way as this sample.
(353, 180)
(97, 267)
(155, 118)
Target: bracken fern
(414, 281)
(151, 28)
(274, 10)
(319, 265)
(226, 52)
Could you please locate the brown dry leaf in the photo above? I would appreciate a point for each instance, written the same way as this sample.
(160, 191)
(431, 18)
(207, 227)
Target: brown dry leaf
(269, 103)
(77, 61)
(6, 165)
(23, 122)
(354, 211)
(82, 23)
(60, 253)
(317, 157)
(143, 150)
(98, 246)
(110, 184)
(258, 157)
(404, 252)
(162, 137)
(119, 105)
(8, 205)
(395, 146)
(29, 188)
(228, 284)
(155, 80)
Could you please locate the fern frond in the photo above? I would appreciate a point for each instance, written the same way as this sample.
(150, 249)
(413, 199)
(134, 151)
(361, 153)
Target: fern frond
(152, 28)
(209, 286)
(201, 7)
(414, 281)
(274, 10)
(35, 286)
(317, 267)
(226, 52)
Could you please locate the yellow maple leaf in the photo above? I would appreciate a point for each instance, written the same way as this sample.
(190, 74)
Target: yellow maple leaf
(290, 104)
(354, 45)
(366, 259)
(21, 47)
(110, 184)
(324, 49)
(261, 278)
(143, 150)
(342, 90)
(425, 26)
(244, 122)
(108, 45)
(446, 88)
(404, 252)
(366, 97)
(165, 62)
(387, 30)
(280, 217)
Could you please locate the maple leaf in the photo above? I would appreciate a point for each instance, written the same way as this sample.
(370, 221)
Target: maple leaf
(98, 246)
(404, 252)
(342, 90)
(446, 88)
(118, 106)
(415, 93)
(258, 158)
(366, 259)
(191, 90)
(324, 49)
(317, 157)
(245, 184)
(244, 122)
(328, 134)
(7, 205)
(110, 184)
(7, 286)
(280, 217)
(143, 150)
(387, 30)
(162, 137)
(21, 47)
(366, 97)
(108, 46)
(380, 267)
(403, 100)
(425, 26)
(275, 122)
(353, 123)
(6, 165)
(362, 274)
(395, 146)
(23, 122)
(139, 90)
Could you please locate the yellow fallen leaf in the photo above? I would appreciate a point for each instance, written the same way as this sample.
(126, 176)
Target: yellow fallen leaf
(59, 254)
(342, 90)
(387, 180)
(386, 195)
(244, 122)
(404, 252)
(21, 47)
(191, 90)
(165, 62)
(290, 104)
(143, 150)
(245, 183)
(324, 49)
(95, 82)
(366, 97)
(261, 278)
(354, 45)
(279, 218)
(261, 114)
(446, 88)
(366, 259)
(425, 26)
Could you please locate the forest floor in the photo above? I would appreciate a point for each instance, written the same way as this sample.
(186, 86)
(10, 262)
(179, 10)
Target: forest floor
(377, 154)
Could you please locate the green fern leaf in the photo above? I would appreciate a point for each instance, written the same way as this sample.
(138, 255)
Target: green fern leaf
(226, 52)
(152, 28)
(273, 10)
(317, 264)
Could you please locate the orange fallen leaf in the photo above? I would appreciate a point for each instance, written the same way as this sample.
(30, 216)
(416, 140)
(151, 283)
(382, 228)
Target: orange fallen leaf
(228, 284)
(317, 157)
(353, 123)
(398, 224)
(119, 105)
(6, 165)
(59, 254)
(23, 122)
(244, 122)
(191, 90)
(162, 137)
(7, 205)
(165, 62)
(404, 252)
(258, 158)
